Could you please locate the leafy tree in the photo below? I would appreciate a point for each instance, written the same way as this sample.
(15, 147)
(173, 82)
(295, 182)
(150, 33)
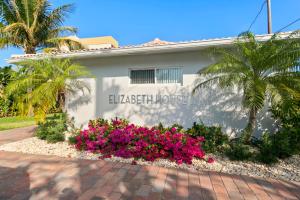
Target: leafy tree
(40, 84)
(5, 75)
(33, 25)
(5, 101)
(264, 70)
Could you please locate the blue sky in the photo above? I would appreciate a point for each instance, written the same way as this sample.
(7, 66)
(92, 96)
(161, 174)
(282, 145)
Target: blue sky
(139, 21)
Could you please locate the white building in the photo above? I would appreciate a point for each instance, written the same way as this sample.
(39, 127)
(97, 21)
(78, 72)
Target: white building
(153, 83)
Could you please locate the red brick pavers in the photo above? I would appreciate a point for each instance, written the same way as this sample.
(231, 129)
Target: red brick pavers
(14, 135)
(24, 176)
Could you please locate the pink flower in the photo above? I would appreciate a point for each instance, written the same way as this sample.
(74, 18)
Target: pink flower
(201, 139)
(118, 138)
(210, 160)
(173, 129)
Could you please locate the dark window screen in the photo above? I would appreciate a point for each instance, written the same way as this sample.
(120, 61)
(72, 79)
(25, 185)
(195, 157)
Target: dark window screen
(145, 76)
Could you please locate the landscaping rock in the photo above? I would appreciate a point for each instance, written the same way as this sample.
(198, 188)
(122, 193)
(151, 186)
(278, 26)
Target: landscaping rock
(287, 169)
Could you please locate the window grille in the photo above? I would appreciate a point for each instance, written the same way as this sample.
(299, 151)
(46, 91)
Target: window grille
(169, 75)
(145, 76)
(156, 76)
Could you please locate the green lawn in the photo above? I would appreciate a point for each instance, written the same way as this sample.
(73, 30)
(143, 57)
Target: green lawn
(15, 122)
(18, 122)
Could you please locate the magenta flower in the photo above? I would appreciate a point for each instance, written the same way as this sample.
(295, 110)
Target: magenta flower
(121, 139)
(210, 160)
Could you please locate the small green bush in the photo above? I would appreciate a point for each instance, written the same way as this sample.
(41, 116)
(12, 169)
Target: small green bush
(215, 139)
(178, 127)
(98, 122)
(6, 107)
(160, 127)
(280, 145)
(287, 142)
(72, 139)
(266, 149)
(287, 139)
(163, 129)
(238, 151)
(53, 129)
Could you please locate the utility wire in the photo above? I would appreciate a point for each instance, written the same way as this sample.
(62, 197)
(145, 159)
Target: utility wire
(293, 22)
(262, 7)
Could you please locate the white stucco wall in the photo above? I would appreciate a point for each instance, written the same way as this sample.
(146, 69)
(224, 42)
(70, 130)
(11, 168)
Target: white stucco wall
(111, 77)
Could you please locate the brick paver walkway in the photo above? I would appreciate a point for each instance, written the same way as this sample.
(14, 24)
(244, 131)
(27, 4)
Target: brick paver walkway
(13, 135)
(24, 176)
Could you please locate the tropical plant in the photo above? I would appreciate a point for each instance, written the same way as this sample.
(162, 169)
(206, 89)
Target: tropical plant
(40, 84)
(238, 151)
(53, 129)
(288, 113)
(215, 139)
(263, 70)
(5, 101)
(5, 75)
(33, 24)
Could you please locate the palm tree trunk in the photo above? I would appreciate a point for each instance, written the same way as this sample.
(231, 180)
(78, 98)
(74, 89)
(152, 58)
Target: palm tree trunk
(248, 131)
(30, 50)
(61, 101)
(252, 120)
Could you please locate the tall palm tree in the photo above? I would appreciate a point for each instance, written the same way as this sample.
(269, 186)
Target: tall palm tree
(39, 84)
(263, 70)
(33, 24)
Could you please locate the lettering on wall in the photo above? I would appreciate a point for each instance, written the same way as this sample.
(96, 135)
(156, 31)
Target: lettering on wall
(147, 99)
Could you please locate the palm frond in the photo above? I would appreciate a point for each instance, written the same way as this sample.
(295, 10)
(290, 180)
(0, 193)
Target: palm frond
(263, 70)
(31, 24)
(39, 83)
(64, 41)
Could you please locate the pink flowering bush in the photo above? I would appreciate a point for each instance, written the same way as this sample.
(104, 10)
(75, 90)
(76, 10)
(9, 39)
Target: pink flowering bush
(121, 139)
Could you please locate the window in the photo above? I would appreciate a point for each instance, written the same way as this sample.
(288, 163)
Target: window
(145, 76)
(159, 76)
(170, 75)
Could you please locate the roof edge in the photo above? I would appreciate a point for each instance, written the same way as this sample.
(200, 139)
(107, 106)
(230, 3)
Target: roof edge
(138, 49)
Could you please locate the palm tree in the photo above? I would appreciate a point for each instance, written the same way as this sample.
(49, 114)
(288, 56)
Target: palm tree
(263, 70)
(33, 25)
(40, 84)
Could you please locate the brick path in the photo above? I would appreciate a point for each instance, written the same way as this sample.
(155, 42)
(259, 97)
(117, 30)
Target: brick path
(13, 135)
(24, 176)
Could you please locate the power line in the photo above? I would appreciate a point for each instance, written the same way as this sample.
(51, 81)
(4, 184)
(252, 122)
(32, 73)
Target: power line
(262, 7)
(293, 22)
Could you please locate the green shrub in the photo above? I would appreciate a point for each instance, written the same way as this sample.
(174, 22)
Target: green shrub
(72, 139)
(282, 147)
(178, 127)
(266, 149)
(282, 144)
(98, 122)
(53, 129)
(287, 139)
(286, 142)
(6, 107)
(160, 127)
(238, 151)
(163, 129)
(73, 130)
(56, 137)
(215, 139)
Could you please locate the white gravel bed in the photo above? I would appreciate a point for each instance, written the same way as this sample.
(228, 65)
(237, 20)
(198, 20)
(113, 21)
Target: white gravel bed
(288, 169)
